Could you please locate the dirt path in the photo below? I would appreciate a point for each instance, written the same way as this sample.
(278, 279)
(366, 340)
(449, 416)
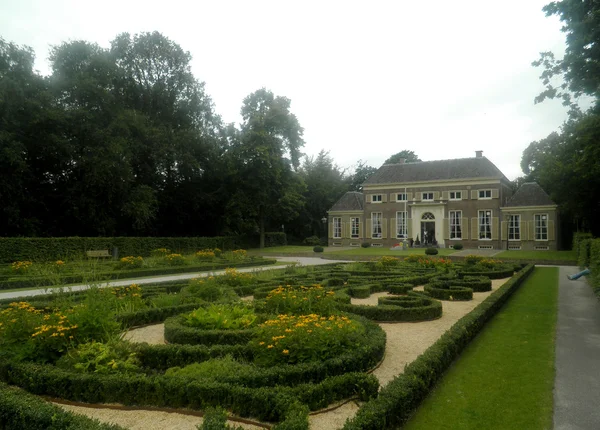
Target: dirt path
(405, 342)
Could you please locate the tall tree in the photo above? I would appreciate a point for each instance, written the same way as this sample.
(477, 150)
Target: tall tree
(325, 184)
(362, 171)
(32, 152)
(405, 154)
(578, 72)
(265, 154)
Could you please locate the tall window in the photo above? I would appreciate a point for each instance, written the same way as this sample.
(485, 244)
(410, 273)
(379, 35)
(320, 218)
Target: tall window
(455, 224)
(428, 196)
(376, 198)
(514, 227)
(541, 227)
(376, 225)
(401, 197)
(485, 194)
(455, 195)
(337, 228)
(355, 222)
(401, 227)
(485, 225)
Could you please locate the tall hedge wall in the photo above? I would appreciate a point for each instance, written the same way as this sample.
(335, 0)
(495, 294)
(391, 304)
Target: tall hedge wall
(54, 248)
(594, 265)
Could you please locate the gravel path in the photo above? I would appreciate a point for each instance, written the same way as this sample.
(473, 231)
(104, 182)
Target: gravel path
(405, 342)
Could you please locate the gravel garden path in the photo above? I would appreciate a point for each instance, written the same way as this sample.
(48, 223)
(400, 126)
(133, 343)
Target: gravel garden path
(405, 342)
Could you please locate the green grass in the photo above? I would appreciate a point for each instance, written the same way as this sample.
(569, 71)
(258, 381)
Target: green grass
(386, 251)
(539, 255)
(504, 378)
(282, 250)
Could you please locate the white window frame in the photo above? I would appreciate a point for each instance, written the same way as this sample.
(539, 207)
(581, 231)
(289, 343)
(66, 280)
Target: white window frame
(484, 224)
(425, 196)
(455, 218)
(401, 197)
(355, 227)
(514, 228)
(337, 227)
(457, 195)
(539, 227)
(376, 198)
(485, 192)
(376, 227)
(401, 225)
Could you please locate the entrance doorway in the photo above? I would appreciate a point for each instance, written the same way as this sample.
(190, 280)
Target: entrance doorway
(427, 228)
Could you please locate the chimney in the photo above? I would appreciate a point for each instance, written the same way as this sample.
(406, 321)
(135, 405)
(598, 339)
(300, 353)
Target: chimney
(478, 154)
(401, 160)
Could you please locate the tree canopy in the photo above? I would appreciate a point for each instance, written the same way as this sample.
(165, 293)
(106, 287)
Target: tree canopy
(565, 163)
(405, 154)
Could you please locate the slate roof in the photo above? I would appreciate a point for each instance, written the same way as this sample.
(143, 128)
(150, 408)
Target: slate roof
(530, 194)
(351, 201)
(439, 170)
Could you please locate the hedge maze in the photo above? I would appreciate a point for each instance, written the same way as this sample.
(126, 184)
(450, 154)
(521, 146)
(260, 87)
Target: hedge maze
(298, 346)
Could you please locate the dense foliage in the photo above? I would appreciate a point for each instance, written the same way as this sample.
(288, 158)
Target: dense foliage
(125, 141)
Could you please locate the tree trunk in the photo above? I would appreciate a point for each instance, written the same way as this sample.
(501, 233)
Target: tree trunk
(261, 226)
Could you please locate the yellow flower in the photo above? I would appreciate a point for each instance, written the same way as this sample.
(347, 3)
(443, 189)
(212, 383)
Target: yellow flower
(285, 351)
(270, 346)
(261, 343)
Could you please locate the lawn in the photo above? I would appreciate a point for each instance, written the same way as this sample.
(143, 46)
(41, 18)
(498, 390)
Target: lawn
(539, 255)
(504, 378)
(386, 251)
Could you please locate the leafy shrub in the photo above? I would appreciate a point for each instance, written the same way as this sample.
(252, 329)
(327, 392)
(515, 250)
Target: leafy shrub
(365, 245)
(312, 241)
(234, 278)
(175, 259)
(318, 249)
(213, 369)
(166, 300)
(32, 334)
(473, 259)
(216, 419)
(300, 300)
(206, 289)
(224, 317)
(130, 262)
(21, 267)
(387, 263)
(127, 298)
(304, 338)
(97, 357)
(205, 255)
(431, 251)
(95, 316)
(235, 255)
(160, 252)
(457, 246)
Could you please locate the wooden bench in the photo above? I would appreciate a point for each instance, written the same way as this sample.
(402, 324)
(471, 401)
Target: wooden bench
(102, 253)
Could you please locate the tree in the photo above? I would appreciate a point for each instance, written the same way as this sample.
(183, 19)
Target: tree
(566, 165)
(578, 72)
(325, 184)
(263, 157)
(408, 156)
(362, 171)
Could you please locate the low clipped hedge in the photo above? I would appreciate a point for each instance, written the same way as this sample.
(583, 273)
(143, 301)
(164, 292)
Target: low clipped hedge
(492, 274)
(265, 403)
(371, 352)
(414, 307)
(444, 290)
(176, 331)
(398, 399)
(479, 284)
(400, 288)
(20, 410)
(28, 282)
(154, 315)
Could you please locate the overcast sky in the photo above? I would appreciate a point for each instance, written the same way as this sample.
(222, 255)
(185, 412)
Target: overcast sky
(366, 79)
